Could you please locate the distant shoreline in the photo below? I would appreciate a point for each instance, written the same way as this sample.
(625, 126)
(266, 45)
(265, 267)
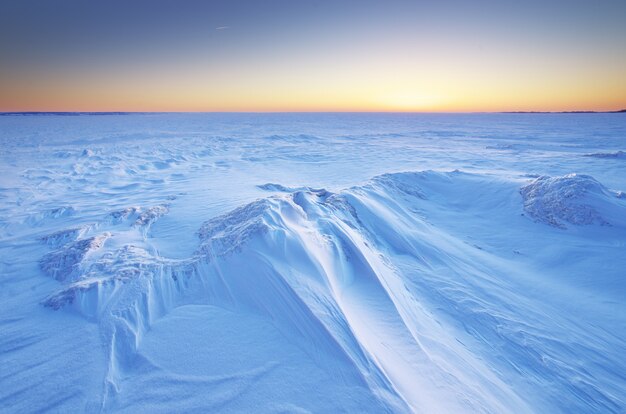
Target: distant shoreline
(621, 111)
(44, 113)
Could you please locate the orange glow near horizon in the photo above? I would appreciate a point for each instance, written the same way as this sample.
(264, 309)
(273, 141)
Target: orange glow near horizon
(396, 57)
(342, 88)
(360, 96)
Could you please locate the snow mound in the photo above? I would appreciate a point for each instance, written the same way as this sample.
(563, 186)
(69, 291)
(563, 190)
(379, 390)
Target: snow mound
(64, 263)
(407, 182)
(139, 216)
(276, 187)
(571, 199)
(109, 273)
(123, 214)
(55, 213)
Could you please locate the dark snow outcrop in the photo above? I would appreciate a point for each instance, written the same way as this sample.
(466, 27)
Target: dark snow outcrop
(63, 264)
(61, 237)
(226, 233)
(571, 199)
(139, 216)
(151, 215)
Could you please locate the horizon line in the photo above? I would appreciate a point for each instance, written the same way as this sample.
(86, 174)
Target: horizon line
(113, 112)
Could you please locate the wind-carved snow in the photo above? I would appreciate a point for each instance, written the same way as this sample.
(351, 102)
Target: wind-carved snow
(68, 262)
(616, 155)
(281, 188)
(54, 213)
(319, 265)
(276, 187)
(124, 214)
(404, 182)
(112, 271)
(62, 236)
(227, 233)
(151, 215)
(166, 287)
(64, 264)
(140, 216)
(573, 198)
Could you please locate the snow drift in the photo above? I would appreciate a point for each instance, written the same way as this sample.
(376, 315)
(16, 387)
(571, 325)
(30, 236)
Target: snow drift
(408, 315)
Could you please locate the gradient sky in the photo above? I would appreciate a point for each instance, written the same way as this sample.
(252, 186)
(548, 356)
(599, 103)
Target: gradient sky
(484, 55)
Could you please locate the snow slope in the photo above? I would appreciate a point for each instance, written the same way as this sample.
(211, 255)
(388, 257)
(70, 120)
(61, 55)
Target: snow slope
(186, 269)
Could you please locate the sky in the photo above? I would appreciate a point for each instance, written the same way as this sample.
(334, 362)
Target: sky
(413, 56)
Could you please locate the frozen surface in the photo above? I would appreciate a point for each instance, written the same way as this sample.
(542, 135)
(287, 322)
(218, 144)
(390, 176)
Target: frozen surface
(313, 263)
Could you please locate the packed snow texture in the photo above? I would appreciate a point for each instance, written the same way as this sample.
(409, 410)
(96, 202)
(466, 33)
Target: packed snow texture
(575, 199)
(312, 263)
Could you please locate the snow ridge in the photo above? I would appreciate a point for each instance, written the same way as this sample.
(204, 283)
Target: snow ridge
(318, 265)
